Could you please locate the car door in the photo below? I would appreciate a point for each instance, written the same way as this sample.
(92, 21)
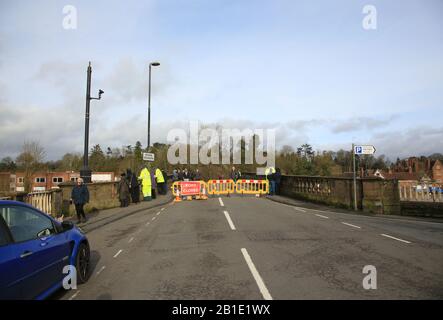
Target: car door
(9, 266)
(42, 251)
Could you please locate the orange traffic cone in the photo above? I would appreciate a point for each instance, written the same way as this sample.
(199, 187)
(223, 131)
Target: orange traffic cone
(177, 197)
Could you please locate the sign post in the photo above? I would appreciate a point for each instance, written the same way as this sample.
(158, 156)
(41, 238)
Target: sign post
(148, 156)
(359, 150)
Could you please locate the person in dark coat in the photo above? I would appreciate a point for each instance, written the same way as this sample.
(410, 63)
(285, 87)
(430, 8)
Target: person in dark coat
(153, 184)
(80, 196)
(277, 179)
(123, 191)
(135, 189)
(197, 175)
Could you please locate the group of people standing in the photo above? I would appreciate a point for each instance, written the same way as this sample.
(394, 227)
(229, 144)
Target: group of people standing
(186, 175)
(151, 182)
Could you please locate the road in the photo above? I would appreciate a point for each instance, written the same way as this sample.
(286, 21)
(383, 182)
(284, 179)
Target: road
(254, 248)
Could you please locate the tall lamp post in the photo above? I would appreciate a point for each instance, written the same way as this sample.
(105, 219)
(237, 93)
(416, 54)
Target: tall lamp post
(152, 64)
(85, 173)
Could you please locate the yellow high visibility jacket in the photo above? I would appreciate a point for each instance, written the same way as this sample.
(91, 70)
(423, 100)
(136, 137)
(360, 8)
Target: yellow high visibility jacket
(159, 176)
(145, 177)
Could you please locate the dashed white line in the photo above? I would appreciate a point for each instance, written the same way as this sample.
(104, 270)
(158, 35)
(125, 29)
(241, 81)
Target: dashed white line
(351, 225)
(147, 223)
(162, 209)
(130, 240)
(299, 209)
(258, 279)
(100, 271)
(74, 295)
(228, 217)
(321, 216)
(119, 251)
(221, 202)
(157, 213)
(391, 237)
(153, 218)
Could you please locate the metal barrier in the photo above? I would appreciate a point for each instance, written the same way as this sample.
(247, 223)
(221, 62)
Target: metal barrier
(249, 186)
(221, 186)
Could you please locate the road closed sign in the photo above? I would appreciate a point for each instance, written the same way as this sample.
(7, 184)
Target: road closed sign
(190, 188)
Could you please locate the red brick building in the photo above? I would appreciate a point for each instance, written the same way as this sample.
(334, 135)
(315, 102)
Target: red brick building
(43, 181)
(415, 168)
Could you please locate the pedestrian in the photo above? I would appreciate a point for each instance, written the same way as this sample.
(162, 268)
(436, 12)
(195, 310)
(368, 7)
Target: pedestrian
(180, 175)
(235, 174)
(135, 189)
(165, 185)
(186, 175)
(197, 176)
(174, 175)
(123, 191)
(160, 181)
(153, 184)
(80, 196)
(277, 179)
(145, 177)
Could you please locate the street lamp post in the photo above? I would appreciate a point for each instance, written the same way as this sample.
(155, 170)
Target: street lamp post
(85, 173)
(155, 64)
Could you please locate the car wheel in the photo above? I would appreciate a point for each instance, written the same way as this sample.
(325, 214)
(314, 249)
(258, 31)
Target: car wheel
(82, 262)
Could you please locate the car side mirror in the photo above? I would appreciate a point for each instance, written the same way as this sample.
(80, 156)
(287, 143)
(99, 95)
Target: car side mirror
(67, 225)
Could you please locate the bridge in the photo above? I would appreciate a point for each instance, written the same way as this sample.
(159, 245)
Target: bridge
(247, 247)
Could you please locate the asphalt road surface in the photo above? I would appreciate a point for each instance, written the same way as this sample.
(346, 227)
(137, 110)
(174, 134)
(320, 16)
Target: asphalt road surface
(254, 248)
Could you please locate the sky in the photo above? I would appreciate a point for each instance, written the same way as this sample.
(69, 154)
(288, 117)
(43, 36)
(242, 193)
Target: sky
(307, 69)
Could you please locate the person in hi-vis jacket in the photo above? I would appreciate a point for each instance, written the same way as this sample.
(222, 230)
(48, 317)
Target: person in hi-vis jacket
(145, 177)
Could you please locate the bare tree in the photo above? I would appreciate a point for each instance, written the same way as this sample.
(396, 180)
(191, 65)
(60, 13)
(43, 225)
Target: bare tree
(30, 160)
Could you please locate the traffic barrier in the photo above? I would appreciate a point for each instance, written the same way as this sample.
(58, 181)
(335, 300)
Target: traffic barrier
(189, 189)
(221, 186)
(249, 186)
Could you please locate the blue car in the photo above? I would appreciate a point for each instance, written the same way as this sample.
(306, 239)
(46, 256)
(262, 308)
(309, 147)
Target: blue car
(34, 249)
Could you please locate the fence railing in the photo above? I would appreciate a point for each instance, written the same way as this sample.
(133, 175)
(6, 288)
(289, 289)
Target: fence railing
(45, 201)
(410, 192)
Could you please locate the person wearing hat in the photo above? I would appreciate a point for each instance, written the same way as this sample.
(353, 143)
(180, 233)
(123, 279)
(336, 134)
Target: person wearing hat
(123, 191)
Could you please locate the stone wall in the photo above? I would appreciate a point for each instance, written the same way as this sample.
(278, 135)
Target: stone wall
(422, 209)
(374, 195)
(102, 195)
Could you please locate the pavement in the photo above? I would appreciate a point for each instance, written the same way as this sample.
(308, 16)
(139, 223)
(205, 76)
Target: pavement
(99, 218)
(253, 248)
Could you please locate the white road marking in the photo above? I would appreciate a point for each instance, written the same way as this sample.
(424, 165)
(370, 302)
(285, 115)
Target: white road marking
(231, 224)
(119, 251)
(388, 236)
(351, 225)
(162, 209)
(299, 209)
(130, 240)
(221, 202)
(158, 213)
(102, 268)
(153, 218)
(147, 223)
(322, 216)
(74, 295)
(261, 285)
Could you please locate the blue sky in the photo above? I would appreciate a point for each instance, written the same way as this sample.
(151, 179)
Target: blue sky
(306, 68)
